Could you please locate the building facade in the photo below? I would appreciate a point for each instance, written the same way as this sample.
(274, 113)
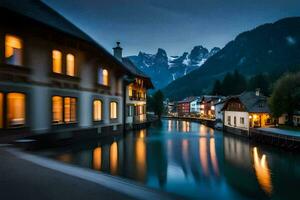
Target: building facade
(195, 106)
(183, 107)
(54, 77)
(245, 111)
(207, 106)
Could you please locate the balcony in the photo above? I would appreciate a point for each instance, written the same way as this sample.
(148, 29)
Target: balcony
(135, 98)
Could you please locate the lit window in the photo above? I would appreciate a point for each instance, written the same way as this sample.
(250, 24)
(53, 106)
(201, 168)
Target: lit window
(57, 109)
(103, 77)
(70, 65)
(13, 50)
(70, 109)
(56, 62)
(130, 90)
(15, 109)
(113, 110)
(1, 110)
(97, 110)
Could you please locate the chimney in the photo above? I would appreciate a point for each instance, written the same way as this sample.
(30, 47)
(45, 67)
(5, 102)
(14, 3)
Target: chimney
(118, 51)
(257, 91)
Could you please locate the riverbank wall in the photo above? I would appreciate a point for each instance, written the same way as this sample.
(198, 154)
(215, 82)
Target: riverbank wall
(207, 122)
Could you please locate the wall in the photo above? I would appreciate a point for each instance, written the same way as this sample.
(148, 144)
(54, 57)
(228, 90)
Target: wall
(238, 115)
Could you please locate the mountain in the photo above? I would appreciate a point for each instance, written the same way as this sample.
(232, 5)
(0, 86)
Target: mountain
(164, 69)
(269, 48)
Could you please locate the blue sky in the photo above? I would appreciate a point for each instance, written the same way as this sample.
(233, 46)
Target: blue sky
(174, 25)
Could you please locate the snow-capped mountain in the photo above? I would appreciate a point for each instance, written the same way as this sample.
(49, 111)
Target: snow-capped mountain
(163, 68)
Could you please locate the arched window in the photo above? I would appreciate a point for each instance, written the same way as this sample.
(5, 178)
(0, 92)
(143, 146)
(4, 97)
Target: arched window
(113, 110)
(97, 108)
(13, 50)
(15, 109)
(103, 77)
(56, 61)
(70, 65)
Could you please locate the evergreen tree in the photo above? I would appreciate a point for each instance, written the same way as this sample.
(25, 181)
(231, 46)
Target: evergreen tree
(158, 104)
(260, 81)
(217, 88)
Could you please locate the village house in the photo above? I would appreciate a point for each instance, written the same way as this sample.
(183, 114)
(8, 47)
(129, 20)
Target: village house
(284, 119)
(136, 91)
(54, 77)
(195, 107)
(207, 106)
(183, 107)
(245, 111)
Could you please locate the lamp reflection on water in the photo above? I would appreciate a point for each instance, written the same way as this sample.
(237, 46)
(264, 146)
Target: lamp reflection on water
(113, 158)
(203, 155)
(213, 156)
(97, 157)
(262, 171)
(140, 154)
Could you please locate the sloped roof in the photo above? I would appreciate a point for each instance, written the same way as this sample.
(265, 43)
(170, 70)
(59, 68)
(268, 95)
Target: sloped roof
(252, 102)
(187, 100)
(40, 12)
(135, 71)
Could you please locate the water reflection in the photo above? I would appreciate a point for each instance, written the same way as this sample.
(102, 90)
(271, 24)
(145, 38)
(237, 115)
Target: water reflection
(262, 171)
(194, 161)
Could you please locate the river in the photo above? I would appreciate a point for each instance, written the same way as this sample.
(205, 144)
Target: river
(192, 161)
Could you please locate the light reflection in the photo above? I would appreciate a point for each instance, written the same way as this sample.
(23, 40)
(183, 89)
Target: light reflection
(113, 158)
(169, 125)
(213, 156)
(97, 156)
(203, 155)
(185, 126)
(140, 151)
(142, 133)
(262, 171)
(202, 130)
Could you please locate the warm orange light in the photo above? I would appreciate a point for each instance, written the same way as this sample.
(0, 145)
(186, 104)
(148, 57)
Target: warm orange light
(97, 157)
(105, 77)
(203, 154)
(56, 61)
(213, 156)
(262, 172)
(113, 158)
(97, 110)
(70, 65)
(140, 154)
(13, 50)
(57, 109)
(16, 109)
(130, 90)
(113, 110)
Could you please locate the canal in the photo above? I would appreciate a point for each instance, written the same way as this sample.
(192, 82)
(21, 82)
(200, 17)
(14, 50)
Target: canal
(192, 161)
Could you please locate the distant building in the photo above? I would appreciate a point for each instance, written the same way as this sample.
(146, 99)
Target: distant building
(284, 119)
(195, 106)
(170, 107)
(207, 106)
(183, 107)
(136, 91)
(245, 111)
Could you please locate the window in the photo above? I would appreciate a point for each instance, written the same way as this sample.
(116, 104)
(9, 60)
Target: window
(242, 120)
(70, 65)
(130, 110)
(56, 61)
(15, 109)
(229, 120)
(70, 109)
(113, 110)
(97, 107)
(130, 90)
(13, 50)
(63, 109)
(57, 109)
(1, 110)
(103, 77)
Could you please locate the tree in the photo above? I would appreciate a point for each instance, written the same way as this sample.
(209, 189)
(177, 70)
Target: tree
(157, 102)
(285, 98)
(260, 81)
(217, 88)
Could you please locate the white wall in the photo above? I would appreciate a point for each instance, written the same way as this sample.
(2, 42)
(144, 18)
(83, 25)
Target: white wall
(238, 115)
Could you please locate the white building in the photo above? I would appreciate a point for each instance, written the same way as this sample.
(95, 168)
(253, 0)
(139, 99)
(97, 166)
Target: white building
(195, 106)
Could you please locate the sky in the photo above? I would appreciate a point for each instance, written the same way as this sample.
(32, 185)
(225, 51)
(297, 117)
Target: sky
(174, 25)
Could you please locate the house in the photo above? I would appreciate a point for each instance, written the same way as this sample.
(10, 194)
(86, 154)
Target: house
(170, 107)
(183, 107)
(207, 106)
(284, 119)
(136, 91)
(195, 106)
(219, 114)
(245, 111)
(54, 77)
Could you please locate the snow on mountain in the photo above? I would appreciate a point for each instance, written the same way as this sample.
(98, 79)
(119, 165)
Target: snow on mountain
(163, 68)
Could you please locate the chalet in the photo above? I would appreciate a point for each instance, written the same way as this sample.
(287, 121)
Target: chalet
(245, 111)
(183, 107)
(207, 106)
(136, 91)
(54, 77)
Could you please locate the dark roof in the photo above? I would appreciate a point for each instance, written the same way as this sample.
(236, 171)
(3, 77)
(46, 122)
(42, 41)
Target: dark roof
(136, 71)
(209, 98)
(40, 12)
(252, 102)
(187, 100)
